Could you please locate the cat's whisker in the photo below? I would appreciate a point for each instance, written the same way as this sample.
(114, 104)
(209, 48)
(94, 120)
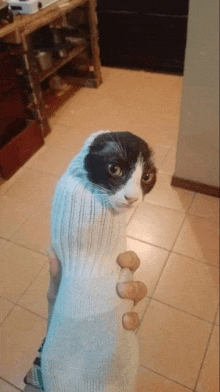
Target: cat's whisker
(122, 149)
(117, 146)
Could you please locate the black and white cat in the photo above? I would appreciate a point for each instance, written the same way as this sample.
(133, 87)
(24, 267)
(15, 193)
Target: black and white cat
(87, 349)
(122, 164)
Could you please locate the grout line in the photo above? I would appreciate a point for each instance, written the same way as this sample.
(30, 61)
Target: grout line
(193, 198)
(167, 378)
(162, 270)
(137, 329)
(21, 245)
(148, 243)
(215, 319)
(198, 260)
(209, 339)
(31, 311)
(16, 302)
(165, 157)
(8, 382)
(181, 310)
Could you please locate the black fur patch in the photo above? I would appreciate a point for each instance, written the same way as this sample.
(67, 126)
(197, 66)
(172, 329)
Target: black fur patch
(122, 149)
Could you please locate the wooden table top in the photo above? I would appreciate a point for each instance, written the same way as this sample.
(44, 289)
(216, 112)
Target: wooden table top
(25, 24)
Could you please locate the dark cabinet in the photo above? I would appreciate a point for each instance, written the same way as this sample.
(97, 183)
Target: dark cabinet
(19, 139)
(12, 109)
(144, 34)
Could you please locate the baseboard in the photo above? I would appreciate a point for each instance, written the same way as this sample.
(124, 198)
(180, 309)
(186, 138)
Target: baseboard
(195, 186)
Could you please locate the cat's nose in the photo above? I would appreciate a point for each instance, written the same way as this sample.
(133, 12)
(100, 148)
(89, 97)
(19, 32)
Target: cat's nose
(131, 200)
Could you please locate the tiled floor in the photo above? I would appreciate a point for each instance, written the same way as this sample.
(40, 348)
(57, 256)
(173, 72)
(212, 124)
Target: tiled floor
(175, 233)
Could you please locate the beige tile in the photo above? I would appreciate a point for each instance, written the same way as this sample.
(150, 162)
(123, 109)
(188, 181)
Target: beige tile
(149, 381)
(51, 160)
(3, 243)
(129, 214)
(35, 298)
(160, 153)
(22, 333)
(13, 214)
(189, 285)
(6, 184)
(217, 318)
(206, 207)
(69, 137)
(168, 165)
(141, 307)
(209, 376)
(19, 266)
(172, 343)
(35, 232)
(33, 188)
(165, 195)
(199, 239)
(155, 224)
(5, 387)
(152, 262)
(5, 307)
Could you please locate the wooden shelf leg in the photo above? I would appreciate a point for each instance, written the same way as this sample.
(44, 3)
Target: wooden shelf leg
(93, 21)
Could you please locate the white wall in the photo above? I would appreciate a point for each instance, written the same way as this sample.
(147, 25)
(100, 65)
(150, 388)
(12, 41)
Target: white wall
(197, 157)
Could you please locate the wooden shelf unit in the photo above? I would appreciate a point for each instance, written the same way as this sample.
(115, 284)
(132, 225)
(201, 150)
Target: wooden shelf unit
(22, 31)
(79, 66)
(60, 63)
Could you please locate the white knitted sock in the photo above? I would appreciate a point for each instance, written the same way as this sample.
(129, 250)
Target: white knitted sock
(87, 349)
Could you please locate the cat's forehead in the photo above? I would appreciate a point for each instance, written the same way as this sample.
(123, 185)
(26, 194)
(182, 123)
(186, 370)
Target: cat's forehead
(122, 144)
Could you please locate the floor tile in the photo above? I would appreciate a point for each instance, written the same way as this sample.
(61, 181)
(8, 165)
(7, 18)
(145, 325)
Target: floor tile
(165, 195)
(160, 153)
(22, 333)
(149, 381)
(12, 215)
(5, 387)
(189, 285)
(129, 214)
(5, 307)
(69, 137)
(152, 262)
(19, 266)
(6, 184)
(51, 160)
(141, 307)
(3, 242)
(168, 165)
(209, 376)
(206, 207)
(35, 232)
(35, 298)
(155, 224)
(199, 239)
(217, 318)
(172, 343)
(33, 188)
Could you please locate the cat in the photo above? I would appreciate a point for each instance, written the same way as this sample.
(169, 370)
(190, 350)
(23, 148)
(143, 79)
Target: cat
(87, 349)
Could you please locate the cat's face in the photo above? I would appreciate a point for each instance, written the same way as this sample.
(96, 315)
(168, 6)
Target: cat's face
(120, 164)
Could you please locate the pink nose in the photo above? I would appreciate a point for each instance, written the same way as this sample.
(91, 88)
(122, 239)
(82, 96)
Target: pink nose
(131, 200)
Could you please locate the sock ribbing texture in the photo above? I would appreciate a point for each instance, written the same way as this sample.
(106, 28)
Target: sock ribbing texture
(87, 349)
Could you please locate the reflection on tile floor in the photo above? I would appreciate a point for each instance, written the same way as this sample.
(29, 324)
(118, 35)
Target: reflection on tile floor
(174, 232)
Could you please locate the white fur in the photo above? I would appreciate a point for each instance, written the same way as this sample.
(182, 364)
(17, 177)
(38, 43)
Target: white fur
(131, 194)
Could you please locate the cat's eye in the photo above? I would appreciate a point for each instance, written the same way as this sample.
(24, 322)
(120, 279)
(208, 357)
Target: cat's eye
(147, 177)
(114, 170)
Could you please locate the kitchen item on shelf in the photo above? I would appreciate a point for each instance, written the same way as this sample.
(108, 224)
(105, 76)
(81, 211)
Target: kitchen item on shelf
(28, 6)
(45, 60)
(5, 13)
(75, 40)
